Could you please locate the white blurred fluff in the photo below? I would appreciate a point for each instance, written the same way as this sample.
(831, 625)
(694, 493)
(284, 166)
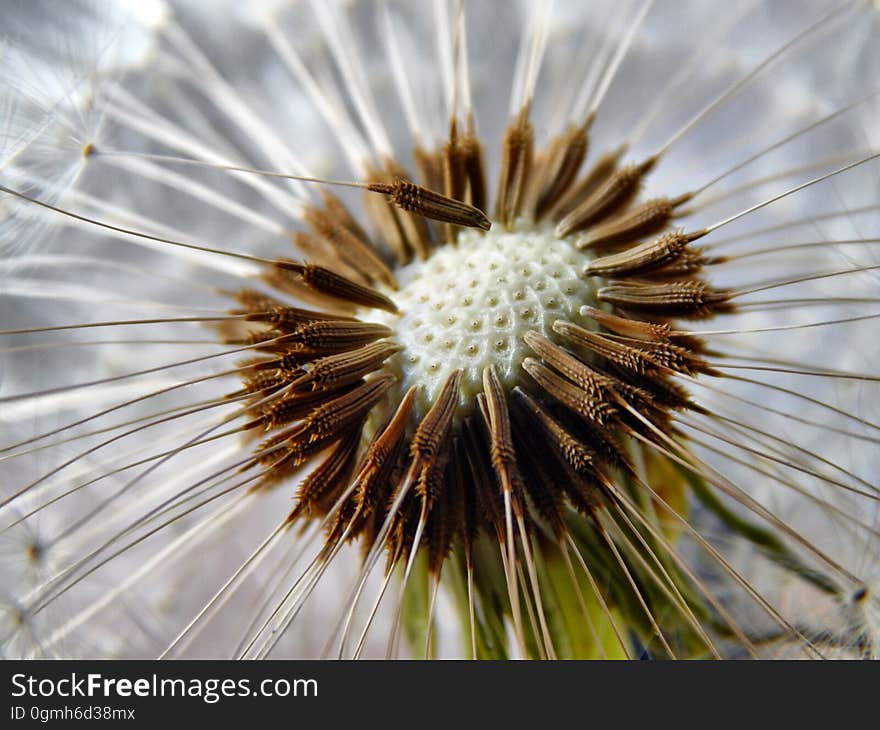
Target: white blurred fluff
(51, 58)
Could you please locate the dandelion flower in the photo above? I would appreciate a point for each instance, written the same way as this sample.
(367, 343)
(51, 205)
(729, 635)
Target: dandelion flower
(441, 329)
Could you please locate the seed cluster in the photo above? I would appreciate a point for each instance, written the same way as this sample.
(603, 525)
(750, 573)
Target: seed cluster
(485, 384)
(498, 383)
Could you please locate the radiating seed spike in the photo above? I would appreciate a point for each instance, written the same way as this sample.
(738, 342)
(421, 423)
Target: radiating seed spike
(335, 335)
(690, 298)
(576, 454)
(251, 338)
(320, 251)
(339, 211)
(587, 405)
(332, 284)
(637, 329)
(352, 249)
(342, 411)
(252, 301)
(416, 229)
(559, 480)
(430, 442)
(454, 179)
(406, 233)
(566, 364)
(443, 524)
(294, 407)
(262, 383)
(490, 507)
(644, 257)
(688, 263)
(474, 167)
(287, 319)
(436, 425)
(501, 450)
(386, 219)
(346, 367)
(329, 477)
(565, 155)
(282, 277)
(286, 463)
(595, 383)
(382, 455)
(541, 480)
(642, 220)
(653, 393)
(462, 171)
(419, 200)
(612, 350)
(288, 363)
(617, 191)
(516, 166)
(601, 170)
(675, 357)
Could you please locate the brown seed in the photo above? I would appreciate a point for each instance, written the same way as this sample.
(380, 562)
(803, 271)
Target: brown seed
(454, 176)
(416, 199)
(327, 337)
(386, 219)
(333, 417)
(430, 440)
(544, 474)
(287, 319)
(688, 263)
(634, 328)
(609, 197)
(355, 251)
(566, 364)
(597, 175)
(678, 298)
(333, 285)
(674, 357)
(437, 422)
(291, 408)
(643, 220)
(319, 251)
(253, 300)
(490, 507)
(327, 480)
(517, 153)
(501, 452)
(338, 210)
(593, 405)
(382, 456)
(562, 160)
(474, 167)
(612, 350)
(334, 371)
(576, 454)
(644, 257)
(415, 228)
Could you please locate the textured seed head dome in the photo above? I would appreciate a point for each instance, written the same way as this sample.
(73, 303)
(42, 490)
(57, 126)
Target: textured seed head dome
(469, 305)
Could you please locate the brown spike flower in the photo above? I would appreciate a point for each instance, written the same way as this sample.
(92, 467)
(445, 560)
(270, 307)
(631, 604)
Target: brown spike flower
(553, 416)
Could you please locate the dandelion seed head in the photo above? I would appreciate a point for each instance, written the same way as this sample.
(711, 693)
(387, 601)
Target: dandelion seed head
(571, 407)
